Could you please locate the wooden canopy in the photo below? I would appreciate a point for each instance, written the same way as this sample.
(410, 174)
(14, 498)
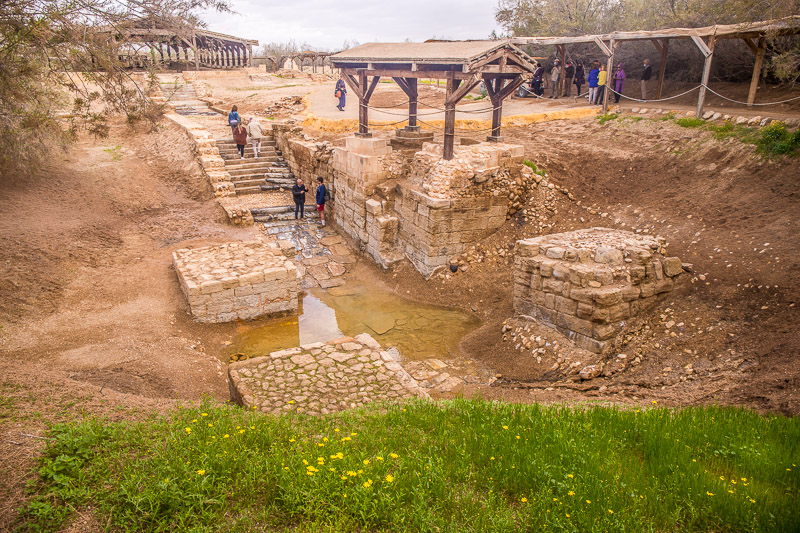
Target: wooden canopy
(209, 49)
(754, 35)
(501, 65)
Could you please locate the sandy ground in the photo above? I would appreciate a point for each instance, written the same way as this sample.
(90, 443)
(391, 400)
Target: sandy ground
(92, 320)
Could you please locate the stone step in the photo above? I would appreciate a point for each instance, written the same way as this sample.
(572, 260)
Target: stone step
(267, 155)
(247, 164)
(250, 182)
(231, 145)
(250, 189)
(285, 218)
(261, 173)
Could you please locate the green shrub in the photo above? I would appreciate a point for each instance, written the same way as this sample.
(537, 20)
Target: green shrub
(606, 117)
(775, 139)
(690, 122)
(536, 170)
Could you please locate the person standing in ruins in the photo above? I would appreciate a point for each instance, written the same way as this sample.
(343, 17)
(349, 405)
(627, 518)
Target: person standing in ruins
(299, 191)
(593, 75)
(240, 138)
(619, 83)
(233, 118)
(646, 73)
(580, 77)
(255, 133)
(555, 75)
(602, 78)
(322, 196)
(569, 75)
(341, 93)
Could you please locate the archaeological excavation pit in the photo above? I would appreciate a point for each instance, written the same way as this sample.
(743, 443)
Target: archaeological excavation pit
(237, 280)
(589, 283)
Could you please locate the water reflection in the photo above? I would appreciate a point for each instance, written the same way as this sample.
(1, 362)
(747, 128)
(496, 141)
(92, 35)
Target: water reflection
(418, 330)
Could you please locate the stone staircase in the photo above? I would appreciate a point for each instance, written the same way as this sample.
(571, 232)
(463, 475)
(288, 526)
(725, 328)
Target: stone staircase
(183, 97)
(270, 172)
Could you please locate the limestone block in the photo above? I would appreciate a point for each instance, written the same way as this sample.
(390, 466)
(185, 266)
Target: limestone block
(672, 266)
(374, 207)
(368, 145)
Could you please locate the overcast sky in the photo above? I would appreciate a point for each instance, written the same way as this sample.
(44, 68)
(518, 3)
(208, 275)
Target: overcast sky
(327, 23)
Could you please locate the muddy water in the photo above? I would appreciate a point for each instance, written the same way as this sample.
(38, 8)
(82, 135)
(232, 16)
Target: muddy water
(419, 331)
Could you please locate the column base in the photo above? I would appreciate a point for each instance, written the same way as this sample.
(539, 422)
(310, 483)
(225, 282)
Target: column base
(366, 135)
(495, 138)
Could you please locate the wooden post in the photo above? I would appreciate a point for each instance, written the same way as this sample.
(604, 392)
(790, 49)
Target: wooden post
(662, 68)
(759, 51)
(561, 81)
(363, 118)
(609, 68)
(409, 86)
(498, 91)
(450, 118)
(708, 51)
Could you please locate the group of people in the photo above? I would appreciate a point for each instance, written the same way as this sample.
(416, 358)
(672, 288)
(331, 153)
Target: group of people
(321, 196)
(242, 133)
(573, 74)
(254, 132)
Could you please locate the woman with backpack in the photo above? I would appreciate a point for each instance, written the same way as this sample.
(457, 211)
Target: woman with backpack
(233, 118)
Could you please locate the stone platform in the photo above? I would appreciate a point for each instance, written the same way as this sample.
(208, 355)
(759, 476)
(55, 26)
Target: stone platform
(237, 280)
(588, 283)
(321, 378)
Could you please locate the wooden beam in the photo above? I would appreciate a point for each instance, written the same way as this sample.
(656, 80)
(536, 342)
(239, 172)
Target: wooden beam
(372, 85)
(602, 46)
(662, 68)
(460, 92)
(561, 48)
(404, 73)
(350, 79)
(759, 51)
(409, 86)
(609, 68)
(750, 44)
(363, 115)
(449, 118)
(701, 97)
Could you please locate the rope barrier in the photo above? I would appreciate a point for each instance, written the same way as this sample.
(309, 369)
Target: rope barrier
(649, 101)
(709, 89)
(455, 130)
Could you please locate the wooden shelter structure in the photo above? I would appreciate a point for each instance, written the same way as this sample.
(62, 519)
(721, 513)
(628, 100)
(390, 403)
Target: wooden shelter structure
(754, 34)
(501, 65)
(208, 49)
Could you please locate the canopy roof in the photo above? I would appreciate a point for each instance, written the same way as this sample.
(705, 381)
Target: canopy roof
(784, 26)
(439, 52)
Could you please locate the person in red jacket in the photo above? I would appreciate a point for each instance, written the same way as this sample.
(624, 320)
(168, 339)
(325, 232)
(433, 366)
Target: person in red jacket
(240, 138)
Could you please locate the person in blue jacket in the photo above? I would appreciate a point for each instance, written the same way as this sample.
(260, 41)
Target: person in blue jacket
(341, 93)
(594, 75)
(233, 118)
(321, 197)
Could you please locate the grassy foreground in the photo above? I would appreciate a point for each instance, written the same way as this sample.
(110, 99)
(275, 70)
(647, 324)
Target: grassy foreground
(462, 465)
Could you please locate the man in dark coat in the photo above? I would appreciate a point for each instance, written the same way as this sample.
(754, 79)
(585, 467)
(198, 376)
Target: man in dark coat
(299, 195)
(646, 73)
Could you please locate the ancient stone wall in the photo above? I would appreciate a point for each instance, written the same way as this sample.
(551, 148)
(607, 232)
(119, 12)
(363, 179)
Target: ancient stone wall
(237, 280)
(588, 283)
(321, 378)
(420, 207)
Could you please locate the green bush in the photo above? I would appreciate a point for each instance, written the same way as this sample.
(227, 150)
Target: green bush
(775, 139)
(536, 170)
(606, 117)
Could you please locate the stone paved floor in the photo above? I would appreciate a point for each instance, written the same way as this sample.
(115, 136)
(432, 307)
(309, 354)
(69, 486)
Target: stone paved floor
(320, 254)
(321, 378)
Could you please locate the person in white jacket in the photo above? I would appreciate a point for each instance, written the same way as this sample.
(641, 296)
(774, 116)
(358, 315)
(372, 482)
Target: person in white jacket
(254, 132)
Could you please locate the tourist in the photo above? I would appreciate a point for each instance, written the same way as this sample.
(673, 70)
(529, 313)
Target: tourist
(593, 75)
(240, 138)
(255, 132)
(602, 77)
(555, 75)
(580, 77)
(536, 84)
(569, 75)
(341, 93)
(233, 118)
(299, 195)
(322, 196)
(646, 73)
(619, 83)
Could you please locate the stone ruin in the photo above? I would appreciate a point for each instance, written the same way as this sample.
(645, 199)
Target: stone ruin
(589, 283)
(321, 378)
(237, 280)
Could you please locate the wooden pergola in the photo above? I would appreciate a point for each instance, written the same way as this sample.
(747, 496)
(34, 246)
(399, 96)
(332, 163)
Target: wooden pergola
(501, 65)
(208, 49)
(754, 34)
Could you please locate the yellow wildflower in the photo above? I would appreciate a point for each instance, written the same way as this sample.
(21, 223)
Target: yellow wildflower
(389, 478)
(203, 414)
(225, 436)
(201, 472)
(571, 493)
(188, 430)
(505, 427)
(523, 499)
(588, 501)
(571, 476)
(610, 511)
(379, 458)
(393, 455)
(710, 493)
(366, 461)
